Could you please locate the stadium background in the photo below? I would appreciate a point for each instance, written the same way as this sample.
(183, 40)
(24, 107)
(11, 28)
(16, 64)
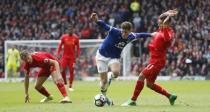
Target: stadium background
(48, 19)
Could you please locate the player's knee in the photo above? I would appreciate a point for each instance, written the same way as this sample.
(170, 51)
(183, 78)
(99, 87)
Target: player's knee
(141, 77)
(59, 81)
(103, 81)
(60, 84)
(115, 74)
(37, 87)
(150, 85)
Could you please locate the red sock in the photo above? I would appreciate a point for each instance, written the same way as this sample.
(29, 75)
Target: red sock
(160, 90)
(62, 89)
(71, 76)
(64, 76)
(138, 89)
(43, 91)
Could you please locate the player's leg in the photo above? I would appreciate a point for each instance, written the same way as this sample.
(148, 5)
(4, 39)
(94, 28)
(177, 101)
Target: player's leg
(102, 70)
(71, 75)
(9, 70)
(38, 86)
(14, 68)
(57, 78)
(102, 67)
(115, 66)
(63, 69)
(103, 82)
(104, 86)
(157, 88)
(138, 88)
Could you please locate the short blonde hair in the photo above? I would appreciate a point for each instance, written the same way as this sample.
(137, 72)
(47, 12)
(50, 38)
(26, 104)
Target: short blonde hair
(24, 54)
(126, 25)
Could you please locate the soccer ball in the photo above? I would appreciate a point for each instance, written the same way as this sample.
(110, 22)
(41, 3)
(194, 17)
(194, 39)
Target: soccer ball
(100, 100)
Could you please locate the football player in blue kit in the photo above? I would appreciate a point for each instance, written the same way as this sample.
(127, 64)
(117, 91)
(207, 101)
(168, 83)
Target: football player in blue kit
(108, 54)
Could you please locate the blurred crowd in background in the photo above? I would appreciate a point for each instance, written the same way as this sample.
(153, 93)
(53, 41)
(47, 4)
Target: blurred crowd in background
(48, 19)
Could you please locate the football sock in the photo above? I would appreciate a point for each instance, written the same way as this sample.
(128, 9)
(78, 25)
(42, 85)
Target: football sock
(104, 87)
(138, 89)
(62, 89)
(160, 90)
(43, 91)
(63, 73)
(71, 76)
(110, 75)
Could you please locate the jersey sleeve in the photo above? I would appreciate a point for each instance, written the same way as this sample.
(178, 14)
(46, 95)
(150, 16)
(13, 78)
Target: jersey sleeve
(139, 35)
(105, 26)
(44, 59)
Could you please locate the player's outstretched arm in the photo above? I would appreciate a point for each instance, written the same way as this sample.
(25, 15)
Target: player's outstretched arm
(94, 18)
(165, 17)
(170, 13)
(143, 35)
(26, 84)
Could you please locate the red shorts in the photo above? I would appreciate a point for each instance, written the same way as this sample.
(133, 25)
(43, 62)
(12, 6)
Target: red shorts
(46, 72)
(67, 62)
(151, 72)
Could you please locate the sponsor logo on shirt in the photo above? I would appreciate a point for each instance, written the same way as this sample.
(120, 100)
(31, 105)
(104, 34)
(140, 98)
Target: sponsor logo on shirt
(120, 45)
(46, 60)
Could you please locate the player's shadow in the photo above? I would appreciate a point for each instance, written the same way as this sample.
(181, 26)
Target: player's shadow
(49, 103)
(152, 105)
(159, 106)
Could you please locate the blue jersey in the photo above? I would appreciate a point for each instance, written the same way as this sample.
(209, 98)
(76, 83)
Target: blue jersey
(113, 44)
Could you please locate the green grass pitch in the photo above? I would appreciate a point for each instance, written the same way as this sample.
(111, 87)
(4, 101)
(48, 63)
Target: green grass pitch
(193, 96)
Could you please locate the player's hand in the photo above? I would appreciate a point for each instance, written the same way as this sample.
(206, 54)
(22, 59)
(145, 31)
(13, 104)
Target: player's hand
(173, 12)
(154, 33)
(94, 17)
(27, 99)
(170, 13)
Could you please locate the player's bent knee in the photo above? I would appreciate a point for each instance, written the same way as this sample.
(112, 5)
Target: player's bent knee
(59, 81)
(141, 77)
(115, 74)
(37, 87)
(150, 85)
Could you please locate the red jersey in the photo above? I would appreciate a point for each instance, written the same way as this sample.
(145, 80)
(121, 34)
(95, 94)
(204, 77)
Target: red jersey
(159, 45)
(39, 59)
(71, 45)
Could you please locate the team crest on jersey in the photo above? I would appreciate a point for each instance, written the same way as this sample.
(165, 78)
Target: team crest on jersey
(120, 45)
(46, 60)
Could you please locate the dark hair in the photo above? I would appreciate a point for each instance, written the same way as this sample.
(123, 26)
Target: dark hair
(24, 54)
(126, 25)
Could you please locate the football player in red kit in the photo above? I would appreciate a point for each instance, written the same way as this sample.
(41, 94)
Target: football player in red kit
(70, 42)
(49, 66)
(158, 46)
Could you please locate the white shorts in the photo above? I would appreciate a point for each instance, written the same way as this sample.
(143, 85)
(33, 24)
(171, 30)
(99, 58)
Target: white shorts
(103, 62)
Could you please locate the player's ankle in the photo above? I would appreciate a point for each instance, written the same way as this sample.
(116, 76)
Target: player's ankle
(50, 95)
(169, 96)
(103, 92)
(133, 100)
